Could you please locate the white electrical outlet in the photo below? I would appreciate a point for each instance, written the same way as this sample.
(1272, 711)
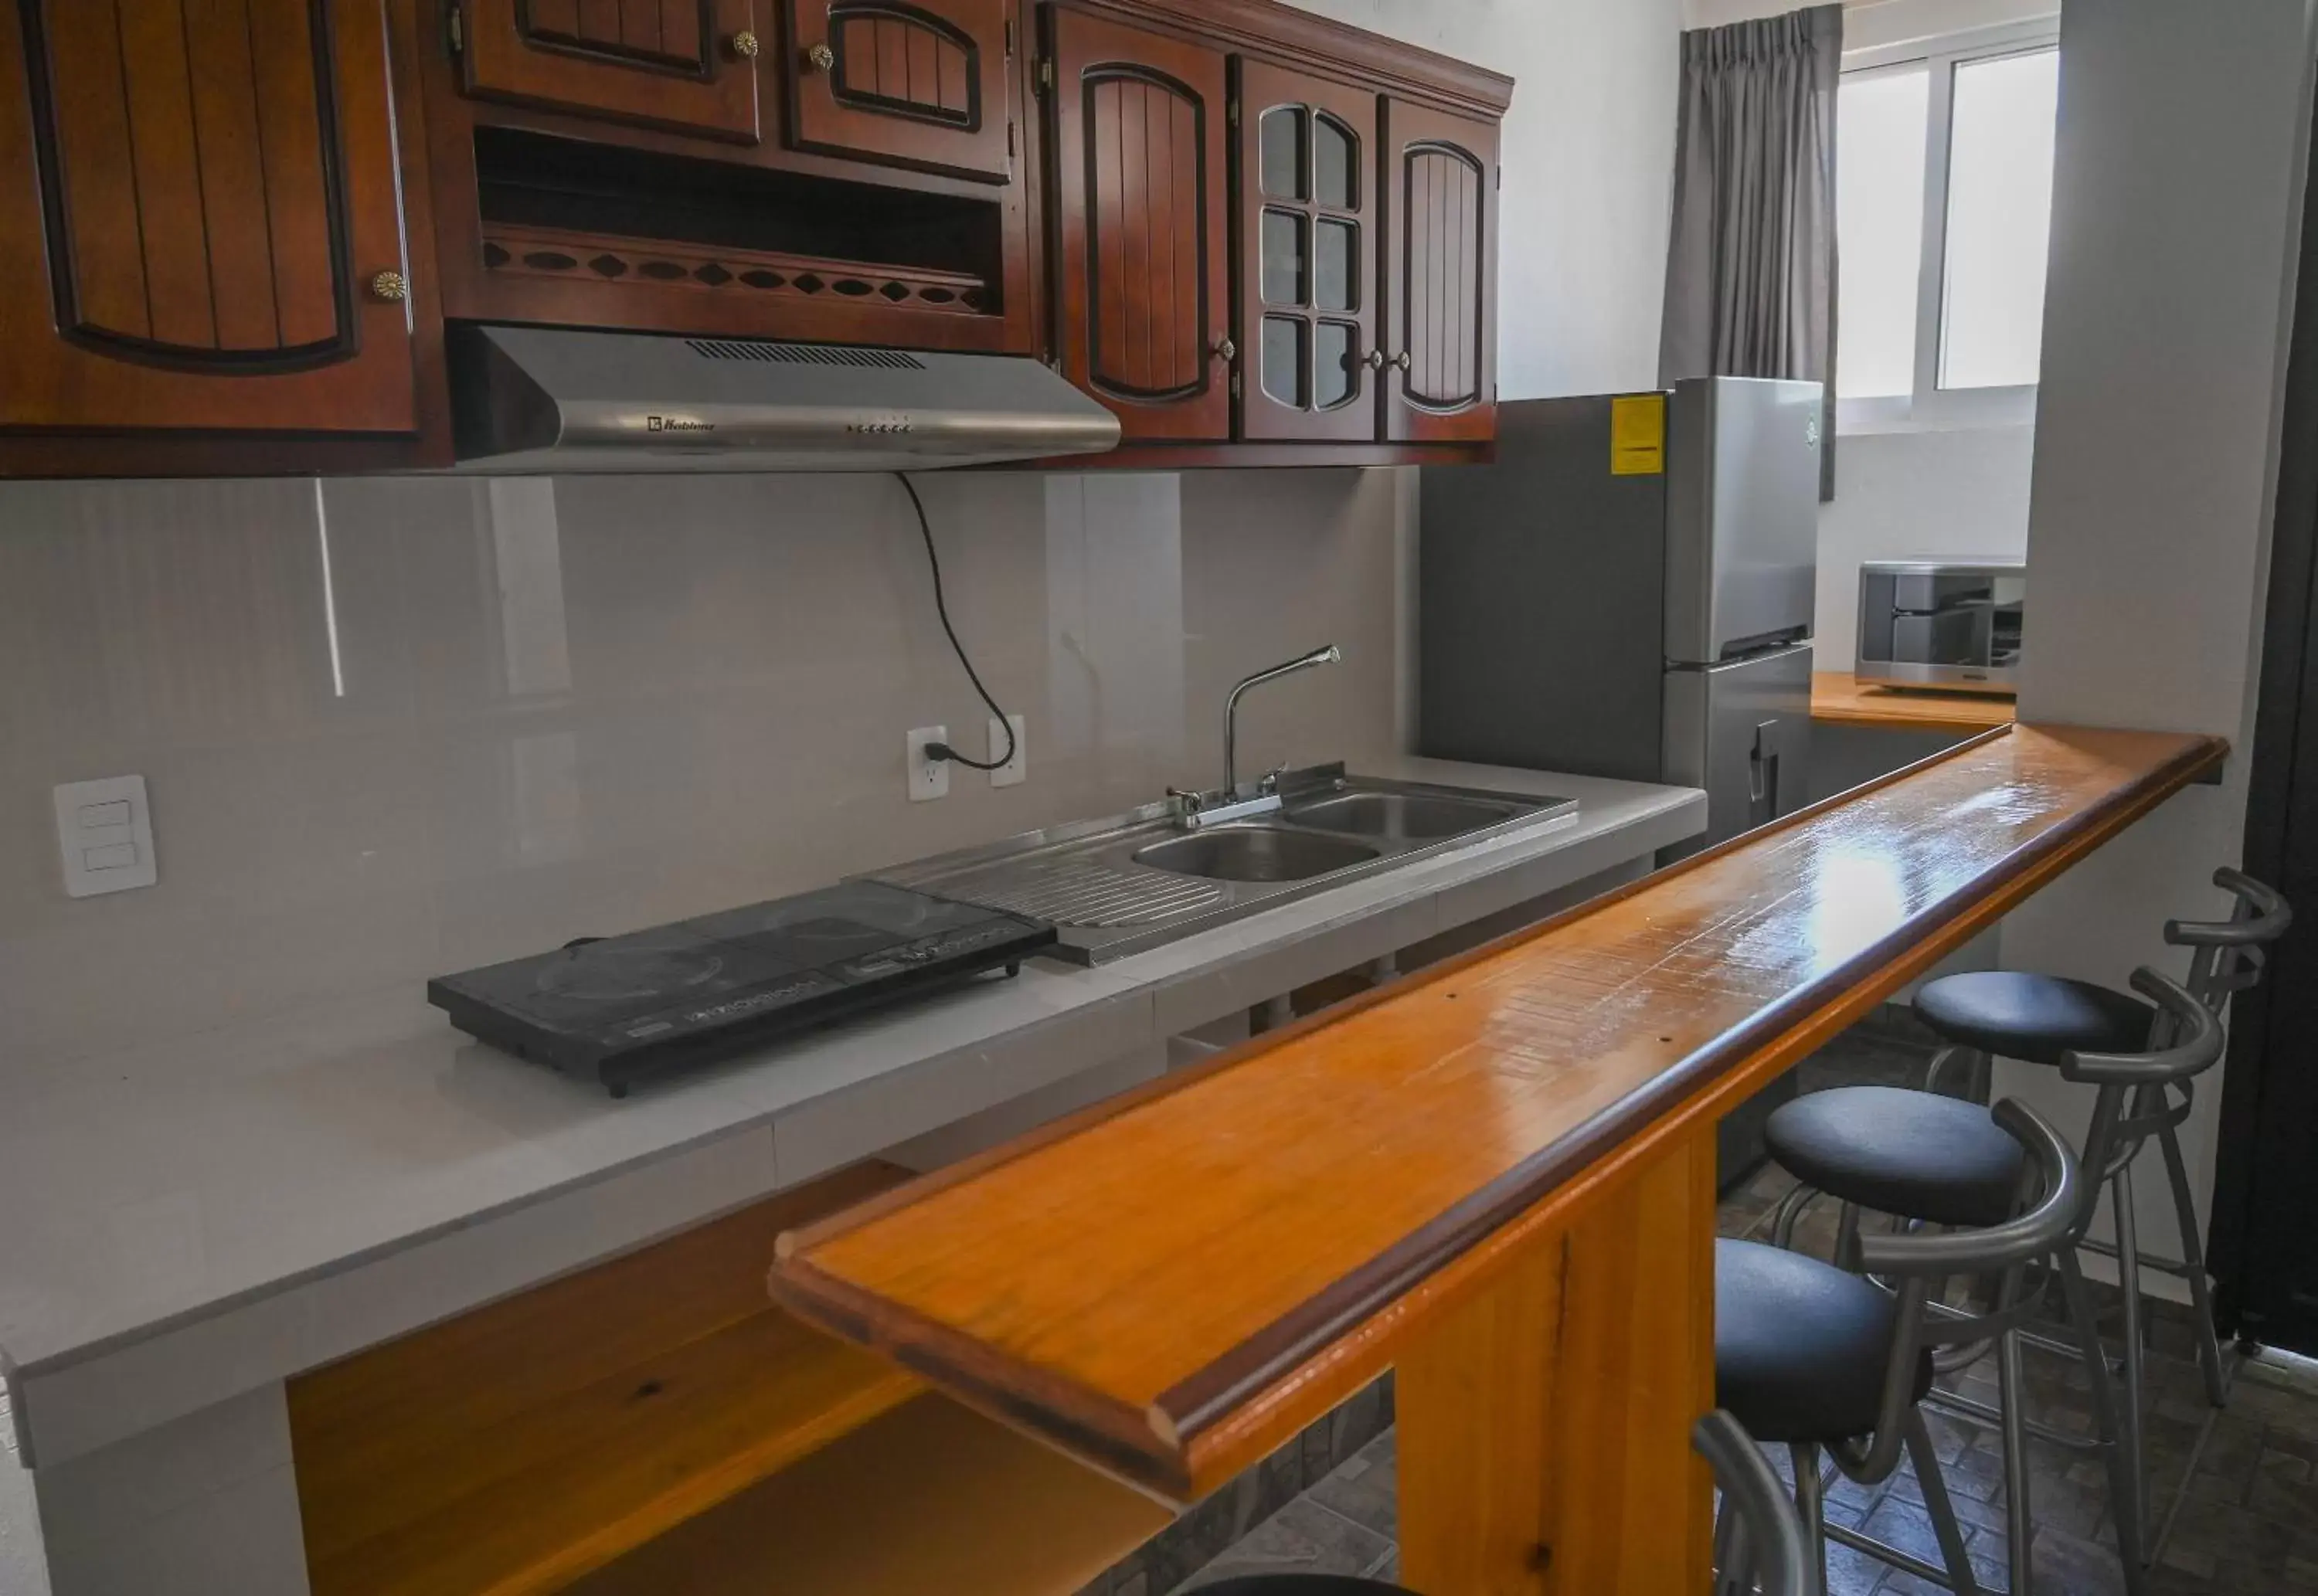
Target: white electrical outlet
(1017, 768)
(105, 830)
(929, 777)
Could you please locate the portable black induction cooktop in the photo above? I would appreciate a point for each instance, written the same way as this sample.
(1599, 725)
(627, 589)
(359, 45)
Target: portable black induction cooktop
(621, 1008)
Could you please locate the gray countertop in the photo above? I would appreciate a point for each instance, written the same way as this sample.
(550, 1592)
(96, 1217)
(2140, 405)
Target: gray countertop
(191, 1221)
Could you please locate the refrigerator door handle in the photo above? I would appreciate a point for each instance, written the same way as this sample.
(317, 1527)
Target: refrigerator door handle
(1763, 772)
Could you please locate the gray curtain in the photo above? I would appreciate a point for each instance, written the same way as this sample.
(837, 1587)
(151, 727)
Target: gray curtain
(1751, 268)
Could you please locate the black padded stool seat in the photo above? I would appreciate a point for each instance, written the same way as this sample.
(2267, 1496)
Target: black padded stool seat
(2019, 1014)
(1800, 1345)
(1302, 1585)
(1897, 1152)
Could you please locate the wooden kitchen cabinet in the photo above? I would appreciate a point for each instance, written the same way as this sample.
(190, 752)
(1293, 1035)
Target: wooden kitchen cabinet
(201, 223)
(1441, 251)
(1139, 135)
(925, 84)
(689, 64)
(1309, 245)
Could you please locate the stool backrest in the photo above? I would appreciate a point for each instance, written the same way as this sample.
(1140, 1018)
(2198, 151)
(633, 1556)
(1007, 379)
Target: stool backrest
(2231, 953)
(2186, 1042)
(1775, 1548)
(1919, 1264)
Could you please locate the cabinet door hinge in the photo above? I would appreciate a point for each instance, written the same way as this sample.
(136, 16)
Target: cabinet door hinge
(1235, 382)
(1231, 112)
(1044, 78)
(1010, 140)
(454, 29)
(1009, 37)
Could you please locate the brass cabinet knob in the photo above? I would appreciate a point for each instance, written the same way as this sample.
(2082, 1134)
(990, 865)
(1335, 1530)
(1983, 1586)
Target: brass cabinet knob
(392, 287)
(745, 45)
(823, 58)
(1376, 360)
(1225, 349)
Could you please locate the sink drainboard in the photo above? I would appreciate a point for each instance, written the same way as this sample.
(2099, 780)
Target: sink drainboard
(1072, 892)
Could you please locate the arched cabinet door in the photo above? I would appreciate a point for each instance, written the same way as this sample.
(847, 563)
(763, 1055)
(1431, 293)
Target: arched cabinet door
(200, 219)
(910, 82)
(1141, 235)
(1441, 375)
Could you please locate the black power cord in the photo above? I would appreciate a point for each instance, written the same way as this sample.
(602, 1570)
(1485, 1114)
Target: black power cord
(942, 750)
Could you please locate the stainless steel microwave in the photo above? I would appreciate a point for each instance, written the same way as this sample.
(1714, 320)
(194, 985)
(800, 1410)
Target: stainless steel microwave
(1942, 624)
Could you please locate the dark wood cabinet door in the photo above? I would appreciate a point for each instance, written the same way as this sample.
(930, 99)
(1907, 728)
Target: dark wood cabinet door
(1308, 253)
(1441, 289)
(689, 64)
(1142, 232)
(913, 82)
(200, 219)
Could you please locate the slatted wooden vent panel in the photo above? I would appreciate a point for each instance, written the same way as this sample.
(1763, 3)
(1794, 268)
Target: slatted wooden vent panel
(1148, 218)
(1441, 190)
(189, 149)
(670, 31)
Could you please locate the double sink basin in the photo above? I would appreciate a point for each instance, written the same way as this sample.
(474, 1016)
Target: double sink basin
(1120, 885)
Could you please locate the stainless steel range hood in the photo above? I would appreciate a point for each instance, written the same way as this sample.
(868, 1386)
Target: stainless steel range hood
(538, 399)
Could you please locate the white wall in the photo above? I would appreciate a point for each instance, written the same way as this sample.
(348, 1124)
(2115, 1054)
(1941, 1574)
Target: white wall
(1874, 23)
(2176, 195)
(1588, 158)
(1903, 495)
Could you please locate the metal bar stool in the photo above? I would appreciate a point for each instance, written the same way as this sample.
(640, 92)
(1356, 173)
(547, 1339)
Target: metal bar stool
(1933, 1161)
(1759, 1540)
(1833, 1361)
(2038, 1018)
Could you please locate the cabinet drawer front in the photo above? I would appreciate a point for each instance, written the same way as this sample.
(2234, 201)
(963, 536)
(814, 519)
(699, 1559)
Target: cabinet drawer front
(689, 64)
(1142, 230)
(200, 197)
(910, 82)
(1308, 250)
(1440, 186)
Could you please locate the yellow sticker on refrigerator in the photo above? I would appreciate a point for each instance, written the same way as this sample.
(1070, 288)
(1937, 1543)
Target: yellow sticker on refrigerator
(1638, 435)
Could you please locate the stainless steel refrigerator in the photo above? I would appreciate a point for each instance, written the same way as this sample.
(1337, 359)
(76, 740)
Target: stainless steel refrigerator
(1628, 591)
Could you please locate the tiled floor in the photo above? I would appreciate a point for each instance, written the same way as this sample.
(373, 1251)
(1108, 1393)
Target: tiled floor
(2248, 1525)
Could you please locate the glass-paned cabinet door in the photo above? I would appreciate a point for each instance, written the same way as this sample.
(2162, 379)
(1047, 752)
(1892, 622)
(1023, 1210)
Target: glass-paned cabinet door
(1308, 159)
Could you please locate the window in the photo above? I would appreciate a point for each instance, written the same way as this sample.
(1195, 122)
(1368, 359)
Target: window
(1945, 199)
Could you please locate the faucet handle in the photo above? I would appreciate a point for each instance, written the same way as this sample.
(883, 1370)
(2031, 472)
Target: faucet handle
(1269, 782)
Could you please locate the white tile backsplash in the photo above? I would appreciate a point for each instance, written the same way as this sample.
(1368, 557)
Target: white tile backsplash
(406, 726)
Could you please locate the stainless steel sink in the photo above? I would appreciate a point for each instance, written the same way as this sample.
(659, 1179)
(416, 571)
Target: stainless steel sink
(1117, 886)
(1401, 817)
(1253, 853)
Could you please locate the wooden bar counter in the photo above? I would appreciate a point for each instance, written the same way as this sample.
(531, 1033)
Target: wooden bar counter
(1497, 1177)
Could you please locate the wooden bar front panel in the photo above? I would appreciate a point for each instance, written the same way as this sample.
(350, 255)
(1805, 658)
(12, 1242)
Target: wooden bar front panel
(195, 196)
(1142, 233)
(1544, 1424)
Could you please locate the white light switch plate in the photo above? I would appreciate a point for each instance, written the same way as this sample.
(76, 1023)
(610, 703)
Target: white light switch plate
(929, 778)
(1018, 768)
(104, 831)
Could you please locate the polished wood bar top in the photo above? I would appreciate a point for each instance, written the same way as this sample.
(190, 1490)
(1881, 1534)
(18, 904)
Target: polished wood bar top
(1169, 1282)
(1839, 698)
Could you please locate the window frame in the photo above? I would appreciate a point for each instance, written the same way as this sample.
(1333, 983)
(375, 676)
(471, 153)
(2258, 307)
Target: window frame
(1931, 407)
